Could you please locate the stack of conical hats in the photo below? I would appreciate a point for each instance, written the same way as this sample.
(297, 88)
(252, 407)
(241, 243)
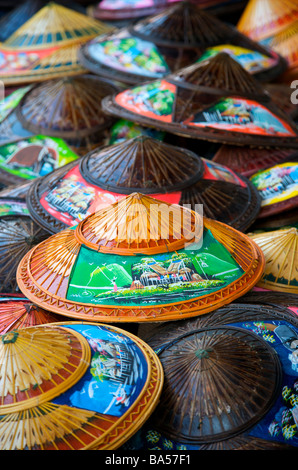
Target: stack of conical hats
(148, 233)
(215, 99)
(169, 173)
(177, 37)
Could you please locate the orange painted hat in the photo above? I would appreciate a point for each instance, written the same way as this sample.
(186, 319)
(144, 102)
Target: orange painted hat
(75, 386)
(17, 312)
(138, 260)
(263, 19)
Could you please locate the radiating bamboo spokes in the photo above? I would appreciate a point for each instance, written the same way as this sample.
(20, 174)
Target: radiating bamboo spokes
(184, 25)
(241, 251)
(220, 72)
(280, 249)
(142, 163)
(202, 88)
(55, 25)
(17, 236)
(69, 106)
(16, 314)
(39, 364)
(52, 261)
(140, 223)
(286, 44)
(223, 201)
(52, 427)
(218, 382)
(265, 18)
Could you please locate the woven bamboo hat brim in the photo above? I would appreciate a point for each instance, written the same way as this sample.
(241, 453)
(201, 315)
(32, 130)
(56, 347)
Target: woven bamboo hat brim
(174, 39)
(263, 19)
(185, 399)
(214, 100)
(18, 234)
(278, 299)
(142, 164)
(280, 248)
(17, 312)
(277, 187)
(140, 252)
(57, 356)
(27, 154)
(248, 160)
(58, 64)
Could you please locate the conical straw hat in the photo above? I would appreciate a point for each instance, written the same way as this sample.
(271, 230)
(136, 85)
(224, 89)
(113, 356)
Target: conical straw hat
(46, 45)
(59, 364)
(33, 359)
(178, 37)
(182, 25)
(21, 13)
(201, 404)
(186, 401)
(144, 254)
(68, 108)
(78, 113)
(168, 173)
(55, 25)
(214, 100)
(18, 312)
(280, 249)
(263, 19)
